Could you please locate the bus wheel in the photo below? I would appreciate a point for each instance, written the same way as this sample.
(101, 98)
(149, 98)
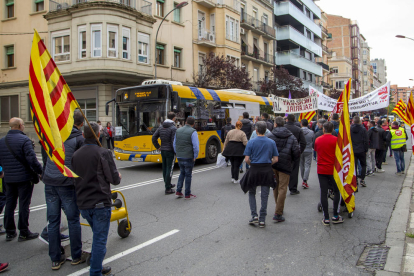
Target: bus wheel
(211, 152)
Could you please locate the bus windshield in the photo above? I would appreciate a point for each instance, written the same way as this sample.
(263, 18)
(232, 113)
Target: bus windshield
(151, 115)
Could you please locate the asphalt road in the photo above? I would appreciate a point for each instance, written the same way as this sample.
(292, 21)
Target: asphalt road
(210, 235)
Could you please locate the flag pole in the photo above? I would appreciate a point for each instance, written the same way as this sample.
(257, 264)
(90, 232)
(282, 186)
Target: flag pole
(83, 114)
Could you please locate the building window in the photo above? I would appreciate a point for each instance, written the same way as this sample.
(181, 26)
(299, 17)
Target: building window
(177, 14)
(112, 41)
(365, 62)
(61, 45)
(96, 31)
(201, 24)
(177, 57)
(233, 60)
(232, 29)
(308, 13)
(310, 77)
(340, 85)
(9, 107)
(9, 8)
(143, 43)
(9, 56)
(305, 75)
(365, 73)
(334, 70)
(39, 5)
(212, 23)
(89, 108)
(265, 19)
(160, 54)
(201, 58)
(365, 82)
(126, 43)
(308, 34)
(160, 8)
(82, 42)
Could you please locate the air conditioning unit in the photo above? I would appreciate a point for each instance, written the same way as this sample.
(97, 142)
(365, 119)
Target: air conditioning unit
(212, 37)
(242, 31)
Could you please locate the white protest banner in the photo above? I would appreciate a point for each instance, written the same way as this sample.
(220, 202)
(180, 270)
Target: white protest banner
(324, 102)
(379, 98)
(284, 105)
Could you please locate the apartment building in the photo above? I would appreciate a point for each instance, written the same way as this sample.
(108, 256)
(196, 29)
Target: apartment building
(299, 39)
(324, 81)
(380, 68)
(346, 62)
(241, 31)
(400, 93)
(367, 70)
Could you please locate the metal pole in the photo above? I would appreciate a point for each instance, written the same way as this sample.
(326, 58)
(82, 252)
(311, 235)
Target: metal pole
(83, 114)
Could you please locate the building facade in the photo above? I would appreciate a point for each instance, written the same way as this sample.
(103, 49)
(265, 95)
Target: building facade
(299, 40)
(400, 93)
(325, 80)
(367, 70)
(380, 68)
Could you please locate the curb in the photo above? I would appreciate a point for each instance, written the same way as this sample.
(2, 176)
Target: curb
(395, 235)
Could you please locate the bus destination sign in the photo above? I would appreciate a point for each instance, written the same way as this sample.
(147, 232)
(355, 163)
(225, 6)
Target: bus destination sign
(144, 94)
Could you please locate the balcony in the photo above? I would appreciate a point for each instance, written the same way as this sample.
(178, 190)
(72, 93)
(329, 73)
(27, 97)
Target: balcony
(315, 85)
(341, 76)
(232, 4)
(255, 25)
(286, 12)
(326, 85)
(313, 7)
(139, 5)
(293, 36)
(268, 31)
(323, 29)
(324, 66)
(206, 3)
(290, 58)
(256, 55)
(206, 38)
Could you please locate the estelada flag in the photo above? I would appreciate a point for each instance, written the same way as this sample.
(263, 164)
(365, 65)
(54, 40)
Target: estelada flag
(344, 169)
(52, 104)
(410, 117)
(400, 110)
(307, 115)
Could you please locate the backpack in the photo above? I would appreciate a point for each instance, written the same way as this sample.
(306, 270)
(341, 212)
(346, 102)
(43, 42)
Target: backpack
(226, 130)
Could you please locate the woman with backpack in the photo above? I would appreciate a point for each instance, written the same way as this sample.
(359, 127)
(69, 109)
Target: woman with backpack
(233, 149)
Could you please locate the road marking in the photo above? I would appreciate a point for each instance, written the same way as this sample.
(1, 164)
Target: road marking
(123, 188)
(128, 251)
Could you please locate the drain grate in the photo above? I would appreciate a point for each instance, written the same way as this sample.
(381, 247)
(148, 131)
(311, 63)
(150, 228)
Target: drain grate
(376, 258)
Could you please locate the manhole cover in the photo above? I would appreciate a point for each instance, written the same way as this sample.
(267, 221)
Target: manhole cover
(376, 258)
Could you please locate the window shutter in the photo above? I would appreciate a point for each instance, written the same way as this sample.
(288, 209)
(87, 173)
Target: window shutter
(10, 51)
(39, 1)
(144, 38)
(161, 1)
(10, 2)
(160, 47)
(177, 50)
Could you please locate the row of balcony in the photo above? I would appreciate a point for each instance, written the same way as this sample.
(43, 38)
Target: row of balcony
(233, 4)
(285, 9)
(255, 25)
(288, 32)
(256, 55)
(294, 59)
(139, 5)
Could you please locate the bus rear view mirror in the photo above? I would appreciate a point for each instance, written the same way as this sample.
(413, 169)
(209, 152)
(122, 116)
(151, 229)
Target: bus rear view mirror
(107, 106)
(176, 102)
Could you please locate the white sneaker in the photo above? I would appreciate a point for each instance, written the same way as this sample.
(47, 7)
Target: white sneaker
(398, 173)
(380, 170)
(232, 180)
(236, 182)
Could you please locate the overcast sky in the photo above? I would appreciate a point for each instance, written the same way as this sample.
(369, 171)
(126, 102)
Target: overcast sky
(380, 21)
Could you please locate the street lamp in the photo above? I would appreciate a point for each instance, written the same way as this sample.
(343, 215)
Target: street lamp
(179, 6)
(402, 36)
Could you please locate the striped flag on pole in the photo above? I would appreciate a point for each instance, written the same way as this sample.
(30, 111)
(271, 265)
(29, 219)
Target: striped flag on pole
(344, 170)
(400, 110)
(410, 116)
(51, 103)
(307, 115)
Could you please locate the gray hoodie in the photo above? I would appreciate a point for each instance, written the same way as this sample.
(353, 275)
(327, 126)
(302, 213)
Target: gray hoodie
(308, 133)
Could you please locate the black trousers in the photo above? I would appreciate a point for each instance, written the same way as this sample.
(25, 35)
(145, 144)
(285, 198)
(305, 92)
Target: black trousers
(293, 181)
(362, 157)
(379, 155)
(236, 161)
(328, 182)
(23, 192)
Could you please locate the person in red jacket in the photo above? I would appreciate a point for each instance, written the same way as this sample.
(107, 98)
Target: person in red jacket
(325, 148)
(366, 122)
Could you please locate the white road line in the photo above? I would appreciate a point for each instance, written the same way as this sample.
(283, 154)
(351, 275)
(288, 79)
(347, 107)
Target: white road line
(128, 251)
(123, 188)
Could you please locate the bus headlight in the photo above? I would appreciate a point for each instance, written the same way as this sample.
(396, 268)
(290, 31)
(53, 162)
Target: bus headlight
(118, 150)
(156, 152)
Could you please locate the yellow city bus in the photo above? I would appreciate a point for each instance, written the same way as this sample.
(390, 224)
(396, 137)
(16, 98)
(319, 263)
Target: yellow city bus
(140, 110)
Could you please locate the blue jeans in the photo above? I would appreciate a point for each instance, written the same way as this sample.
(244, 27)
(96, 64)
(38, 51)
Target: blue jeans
(99, 220)
(399, 160)
(252, 202)
(186, 171)
(56, 198)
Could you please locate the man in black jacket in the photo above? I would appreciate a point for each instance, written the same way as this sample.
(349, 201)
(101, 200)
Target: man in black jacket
(298, 133)
(60, 192)
(359, 138)
(289, 153)
(97, 171)
(18, 176)
(248, 129)
(265, 118)
(225, 129)
(382, 145)
(373, 144)
(167, 133)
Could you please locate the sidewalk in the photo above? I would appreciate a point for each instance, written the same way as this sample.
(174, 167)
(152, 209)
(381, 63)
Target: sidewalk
(400, 260)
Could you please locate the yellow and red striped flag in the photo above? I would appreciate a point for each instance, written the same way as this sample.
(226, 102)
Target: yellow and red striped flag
(400, 110)
(410, 116)
(52, 104)
(344, 170)
(307, 115)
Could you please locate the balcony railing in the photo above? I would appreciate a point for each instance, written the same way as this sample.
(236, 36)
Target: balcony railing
(250, 21)
(292, 58)
(207, 36)
(257, 54)
(139, 5)
(324, 65)
(287, 32)
(325, 30)
(268, 30)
